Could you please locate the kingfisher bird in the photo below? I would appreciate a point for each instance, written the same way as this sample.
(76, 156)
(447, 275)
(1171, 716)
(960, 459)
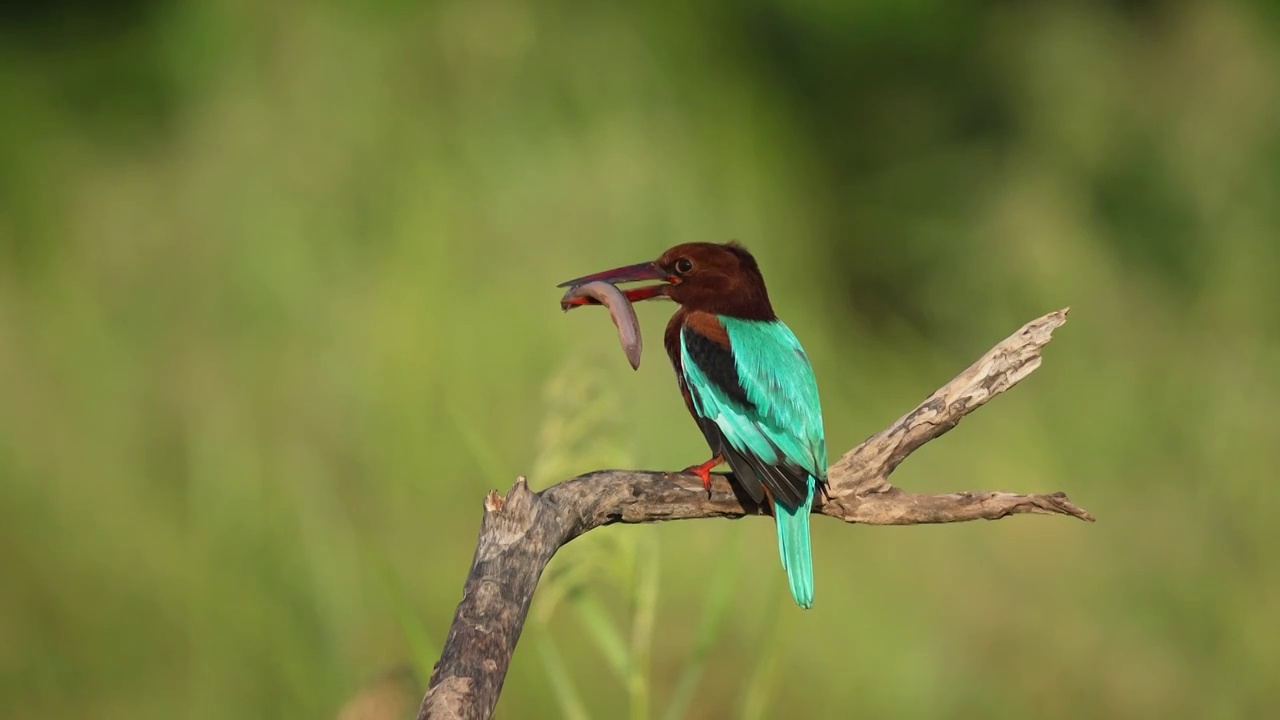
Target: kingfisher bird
(747, 382)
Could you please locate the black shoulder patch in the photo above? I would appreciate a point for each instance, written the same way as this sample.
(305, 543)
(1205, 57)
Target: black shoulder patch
(786, 483)
(717, 364)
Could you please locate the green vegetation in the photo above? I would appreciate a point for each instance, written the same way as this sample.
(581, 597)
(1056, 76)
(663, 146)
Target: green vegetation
(277, 308)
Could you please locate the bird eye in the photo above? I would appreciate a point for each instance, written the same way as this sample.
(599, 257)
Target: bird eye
(684, 265)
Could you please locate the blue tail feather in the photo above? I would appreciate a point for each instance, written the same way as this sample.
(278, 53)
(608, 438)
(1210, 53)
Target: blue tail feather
(794, 547)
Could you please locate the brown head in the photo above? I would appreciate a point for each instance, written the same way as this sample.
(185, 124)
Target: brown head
(717, 278)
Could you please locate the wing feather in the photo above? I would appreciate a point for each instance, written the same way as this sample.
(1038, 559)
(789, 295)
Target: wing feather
(761, 395)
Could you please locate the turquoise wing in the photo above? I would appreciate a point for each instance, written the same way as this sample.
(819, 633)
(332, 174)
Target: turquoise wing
(765, 404)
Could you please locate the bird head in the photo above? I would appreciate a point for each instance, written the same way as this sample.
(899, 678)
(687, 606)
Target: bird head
(712, 277)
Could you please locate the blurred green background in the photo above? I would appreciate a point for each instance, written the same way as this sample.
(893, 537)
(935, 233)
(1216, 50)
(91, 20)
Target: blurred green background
(277, 308)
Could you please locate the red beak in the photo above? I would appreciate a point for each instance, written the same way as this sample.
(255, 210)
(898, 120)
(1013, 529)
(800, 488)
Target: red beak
(630, 273)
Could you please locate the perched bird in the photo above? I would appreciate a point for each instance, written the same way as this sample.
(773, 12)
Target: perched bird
(747, 383)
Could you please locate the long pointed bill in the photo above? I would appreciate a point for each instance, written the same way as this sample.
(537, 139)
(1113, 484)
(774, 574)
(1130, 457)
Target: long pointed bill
(630, 273)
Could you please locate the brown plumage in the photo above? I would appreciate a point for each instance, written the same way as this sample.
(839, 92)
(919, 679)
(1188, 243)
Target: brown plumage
(720, 279)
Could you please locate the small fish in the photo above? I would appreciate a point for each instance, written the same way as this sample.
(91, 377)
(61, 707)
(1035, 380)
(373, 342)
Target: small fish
(620, 311)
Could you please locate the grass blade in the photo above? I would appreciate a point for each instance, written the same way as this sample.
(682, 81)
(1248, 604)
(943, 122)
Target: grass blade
(760, 688)
(571, 707)
(645, 601)
(602, 629)
(423, 649)
(715, 613)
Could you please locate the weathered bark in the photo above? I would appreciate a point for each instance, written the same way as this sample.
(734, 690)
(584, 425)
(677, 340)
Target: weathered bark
(521, 532)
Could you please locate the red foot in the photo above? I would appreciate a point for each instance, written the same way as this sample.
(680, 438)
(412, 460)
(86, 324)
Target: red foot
(704, 471)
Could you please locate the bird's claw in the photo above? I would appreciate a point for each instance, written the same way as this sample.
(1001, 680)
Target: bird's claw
(703, 472)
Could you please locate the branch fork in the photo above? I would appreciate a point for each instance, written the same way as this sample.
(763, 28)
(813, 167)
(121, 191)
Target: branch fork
(520, 532)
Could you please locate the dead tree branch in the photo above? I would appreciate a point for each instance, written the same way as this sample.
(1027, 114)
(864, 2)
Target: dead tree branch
(521, 532)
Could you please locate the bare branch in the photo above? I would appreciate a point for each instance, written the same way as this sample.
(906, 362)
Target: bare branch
(521, 532)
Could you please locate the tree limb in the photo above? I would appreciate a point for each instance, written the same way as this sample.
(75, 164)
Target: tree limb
(521, 532)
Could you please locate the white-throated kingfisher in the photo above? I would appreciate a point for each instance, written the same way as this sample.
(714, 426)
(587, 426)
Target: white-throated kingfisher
(747, 383)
